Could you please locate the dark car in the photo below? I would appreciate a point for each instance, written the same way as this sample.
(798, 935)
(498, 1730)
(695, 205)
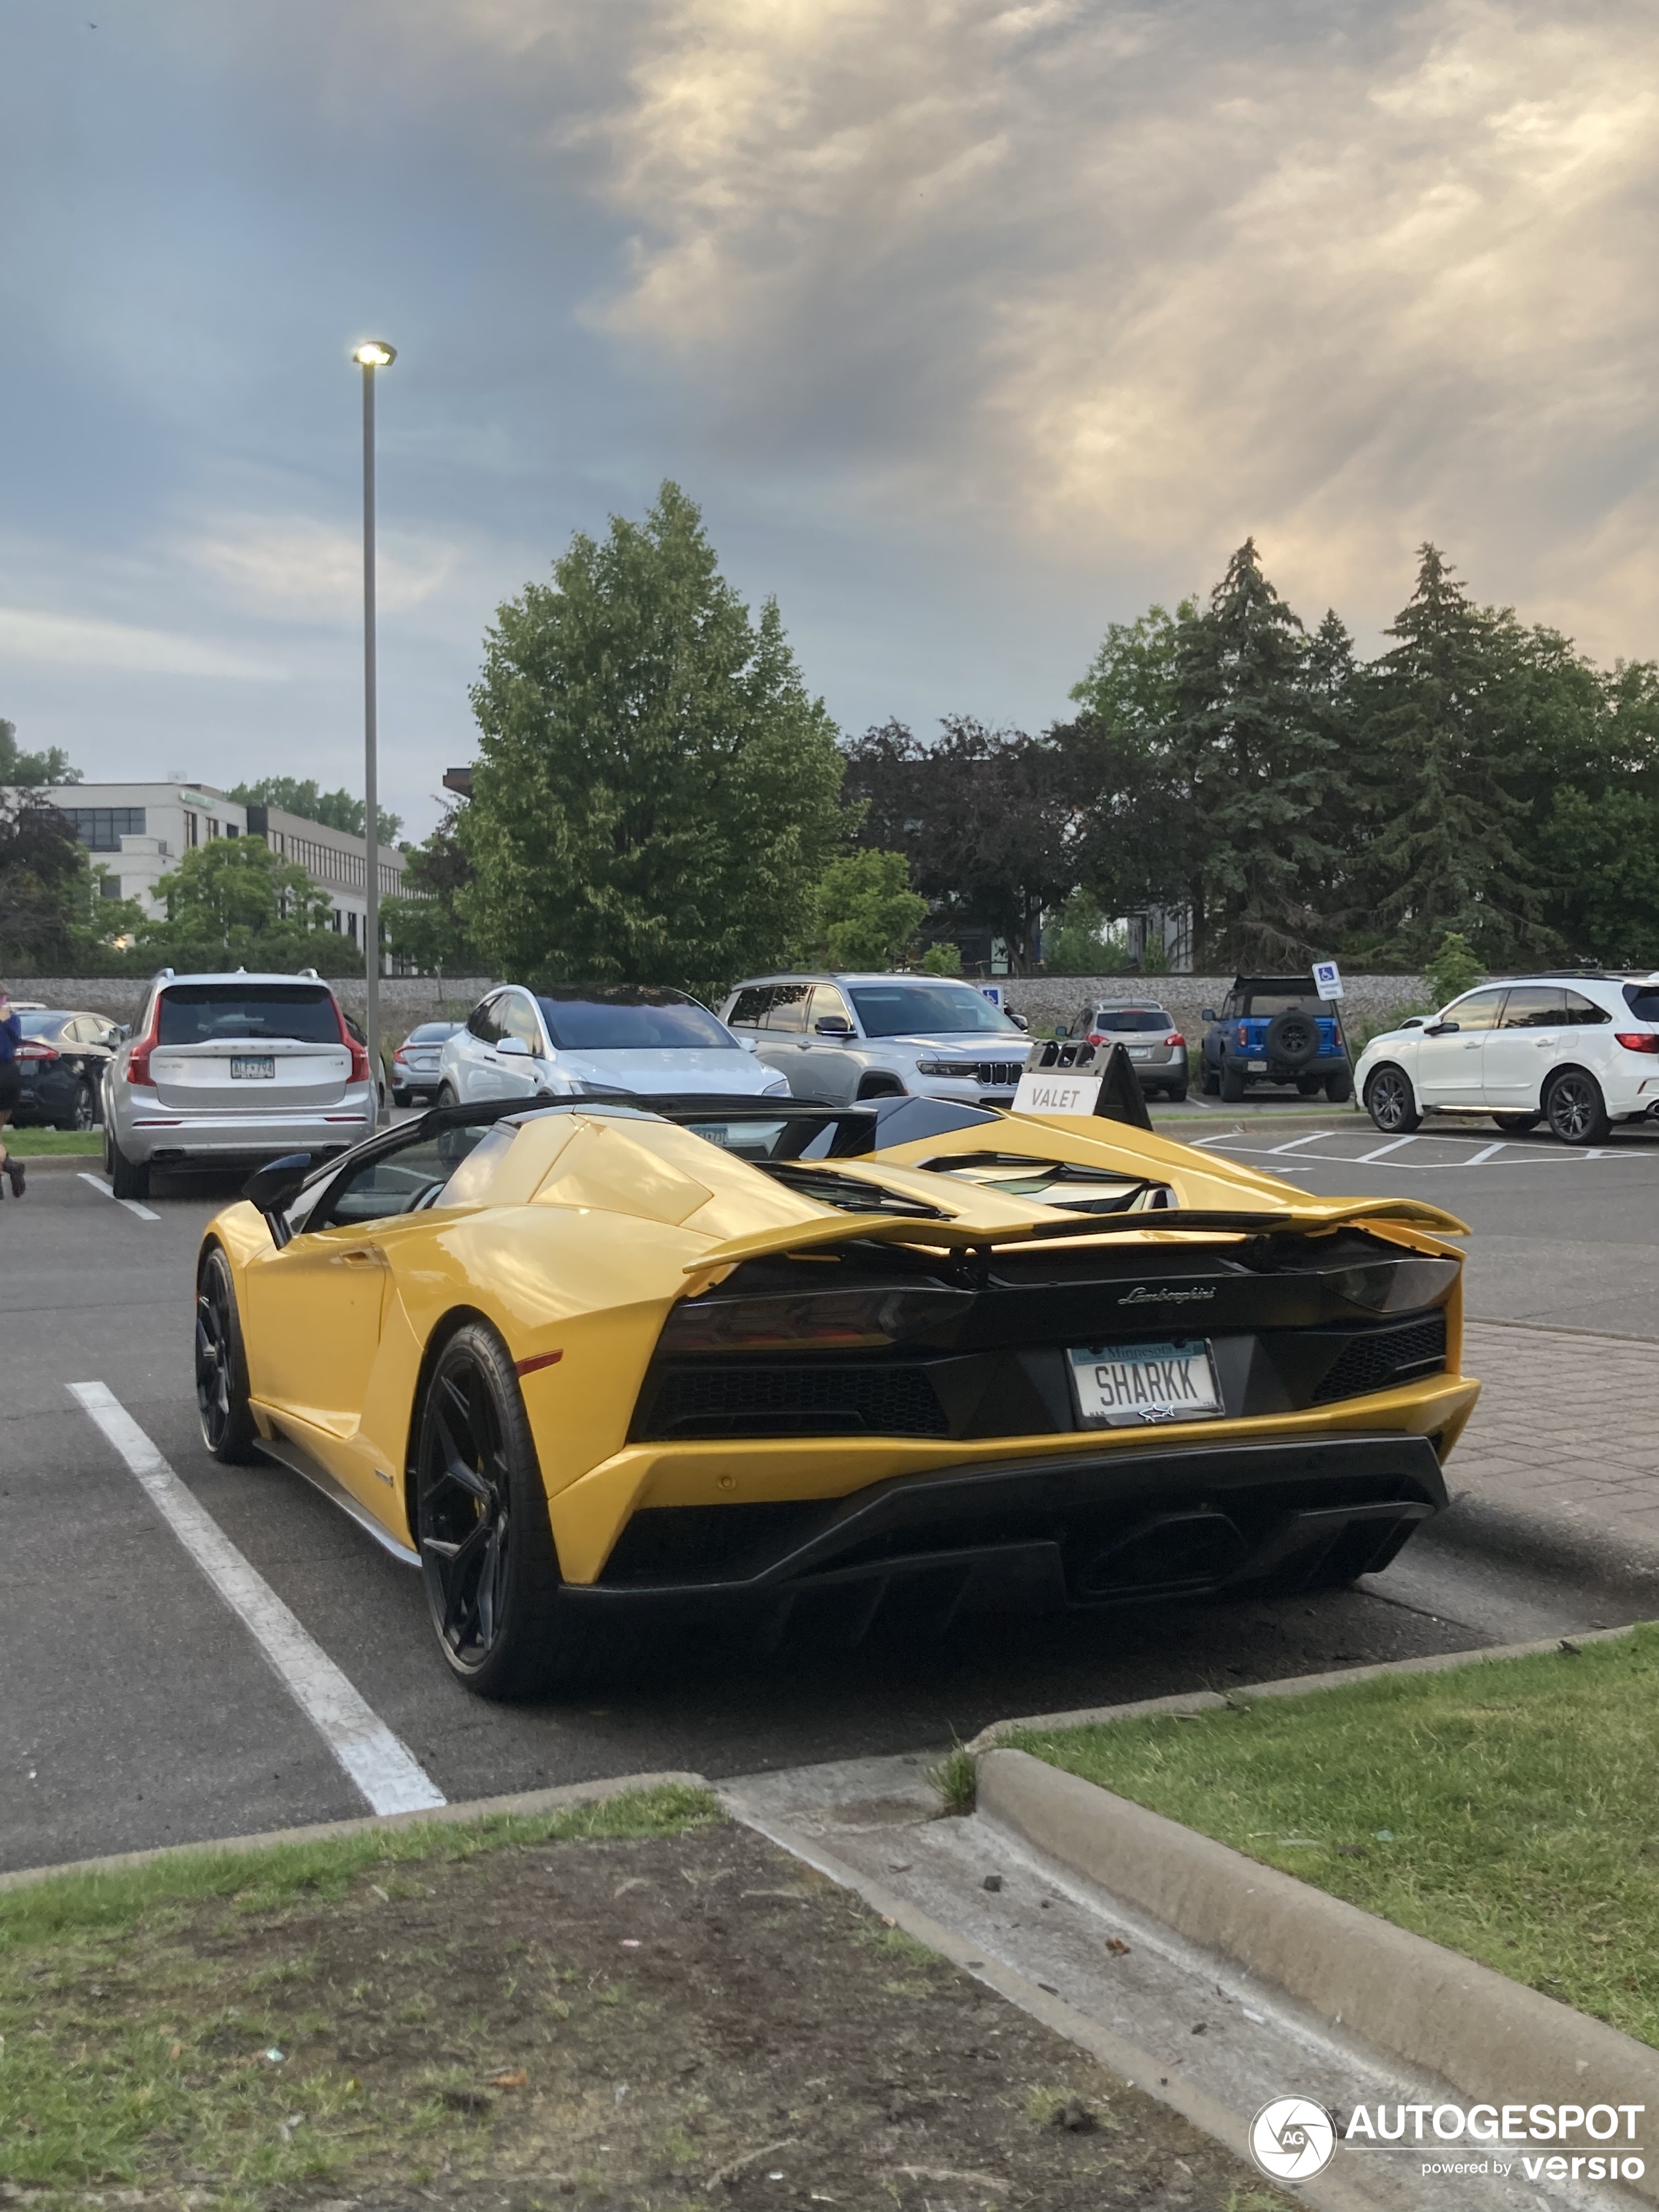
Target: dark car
(1274, 1028)
(60, 1067)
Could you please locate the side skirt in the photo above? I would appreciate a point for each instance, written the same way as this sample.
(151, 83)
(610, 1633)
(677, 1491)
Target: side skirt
(298, 1461)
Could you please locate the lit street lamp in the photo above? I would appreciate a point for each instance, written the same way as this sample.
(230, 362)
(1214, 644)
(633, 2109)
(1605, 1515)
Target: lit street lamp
(373, 354)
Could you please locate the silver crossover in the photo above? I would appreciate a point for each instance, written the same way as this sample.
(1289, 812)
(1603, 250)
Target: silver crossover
(227, 1069)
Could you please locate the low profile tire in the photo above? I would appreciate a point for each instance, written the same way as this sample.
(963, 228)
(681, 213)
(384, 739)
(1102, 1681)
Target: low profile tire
(1389, 1101)
(221, 1392)
(1339, 1089)
(1516, 1125)
(83, 1114)
(1232, 1082)
(1575, 1108)
(127, 1178)
(487, 1556)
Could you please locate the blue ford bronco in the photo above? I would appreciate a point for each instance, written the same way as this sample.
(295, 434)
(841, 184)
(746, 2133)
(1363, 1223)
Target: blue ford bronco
(1274, 1029)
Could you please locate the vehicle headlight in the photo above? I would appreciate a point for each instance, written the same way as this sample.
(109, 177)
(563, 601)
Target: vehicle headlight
(966, 1069)
(810, 1320)
(777, 1088)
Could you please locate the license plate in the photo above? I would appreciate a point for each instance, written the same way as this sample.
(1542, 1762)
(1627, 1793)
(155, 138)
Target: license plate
(1140, 1052)
(1256, 1067)
(249, 1070)
(1137, 1385)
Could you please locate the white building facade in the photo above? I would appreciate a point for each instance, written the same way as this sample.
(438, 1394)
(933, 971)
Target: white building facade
(139, 831)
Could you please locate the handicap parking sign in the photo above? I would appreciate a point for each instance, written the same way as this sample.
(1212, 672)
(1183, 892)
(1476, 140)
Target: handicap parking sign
(1328, 979)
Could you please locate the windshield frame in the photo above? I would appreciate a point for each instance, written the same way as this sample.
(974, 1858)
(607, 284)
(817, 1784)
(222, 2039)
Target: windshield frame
(624, 1001)
(932, 992)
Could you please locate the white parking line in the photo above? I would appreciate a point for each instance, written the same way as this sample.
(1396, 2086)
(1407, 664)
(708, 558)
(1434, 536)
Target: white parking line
(1311, 1139)
(1489, 1152)
(1383, 1150)
(131, 1204)
(384, 1769)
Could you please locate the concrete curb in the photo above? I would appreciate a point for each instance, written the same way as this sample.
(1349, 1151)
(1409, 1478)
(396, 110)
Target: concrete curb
(1293, 1686)
(1547, 1543)
(36, 1163)
(525, 1802)
(1495, 2040)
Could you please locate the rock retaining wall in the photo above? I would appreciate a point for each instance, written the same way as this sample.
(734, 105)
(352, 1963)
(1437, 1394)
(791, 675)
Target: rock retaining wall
(405, 1000)
(1050, 1002)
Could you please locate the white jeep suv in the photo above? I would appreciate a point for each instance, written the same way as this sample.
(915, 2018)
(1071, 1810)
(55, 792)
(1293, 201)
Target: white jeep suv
(1578, 1052)
(845, 1038)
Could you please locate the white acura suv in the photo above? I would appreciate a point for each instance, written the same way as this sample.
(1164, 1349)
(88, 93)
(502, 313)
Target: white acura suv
(1578, 1052)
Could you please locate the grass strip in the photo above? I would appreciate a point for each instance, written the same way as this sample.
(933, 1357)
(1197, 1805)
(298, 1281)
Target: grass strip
(49, 1144)
(1504, 1810)
(155, 2018)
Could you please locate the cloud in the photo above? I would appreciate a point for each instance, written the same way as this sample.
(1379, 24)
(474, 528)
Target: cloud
(1132, 281)
(55, 641)
(289, 568)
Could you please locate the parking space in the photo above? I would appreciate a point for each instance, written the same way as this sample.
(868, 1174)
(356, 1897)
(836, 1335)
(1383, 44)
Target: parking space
(142, 1708)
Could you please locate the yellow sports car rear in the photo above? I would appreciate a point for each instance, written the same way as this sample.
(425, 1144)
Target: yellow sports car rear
(602, 1362)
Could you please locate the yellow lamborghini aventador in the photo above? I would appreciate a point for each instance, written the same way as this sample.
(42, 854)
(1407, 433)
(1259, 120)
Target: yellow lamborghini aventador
(598, 1362)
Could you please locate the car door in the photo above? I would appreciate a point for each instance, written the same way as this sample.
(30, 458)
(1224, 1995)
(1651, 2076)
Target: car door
(1450, 1056)
(1524, 1047)
(784, 1033)
(473, 1057)
(519, 1049)
(831, 1067)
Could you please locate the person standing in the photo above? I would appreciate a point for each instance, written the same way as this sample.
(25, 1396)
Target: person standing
(11, 1032)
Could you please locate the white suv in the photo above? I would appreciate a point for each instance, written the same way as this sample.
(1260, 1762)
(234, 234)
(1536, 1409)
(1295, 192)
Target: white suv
(227, 1071)
(846, 1037)
(1578, 1052)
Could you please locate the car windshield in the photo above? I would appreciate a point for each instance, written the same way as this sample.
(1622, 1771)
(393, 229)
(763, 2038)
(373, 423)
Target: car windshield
(1642, 999)
(1131, 1019)
(200, 1013)
(925, 1010)
(429, 1033)
(41, 1025)
(1278, 1002)
(633, 1020)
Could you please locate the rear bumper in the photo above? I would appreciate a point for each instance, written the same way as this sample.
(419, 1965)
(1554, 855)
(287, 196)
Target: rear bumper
(153, 1135)
(1050, 1535)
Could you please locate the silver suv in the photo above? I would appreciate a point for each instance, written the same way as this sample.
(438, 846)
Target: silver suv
(1147, 1033)
(843, 1037)
(224, 1069)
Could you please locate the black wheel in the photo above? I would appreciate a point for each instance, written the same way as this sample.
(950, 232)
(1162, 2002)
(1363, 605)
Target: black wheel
(1516, 1125)
(1339, 1088)
(1292, 1038)
(1232, 1082)
(1575, 1108)
(83, 1113)
(1309, 1086)
(1176, 1093)
(1389, 1103)
(221, 1395)
(1208, 1081)
(127, 1178)
(492, 1579)
(401, 1097)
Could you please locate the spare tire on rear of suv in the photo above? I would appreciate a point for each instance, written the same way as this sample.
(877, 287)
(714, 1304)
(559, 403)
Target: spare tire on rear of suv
(1292, 1038)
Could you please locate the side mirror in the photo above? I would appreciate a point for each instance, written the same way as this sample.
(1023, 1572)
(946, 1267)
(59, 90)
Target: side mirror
(1018, 1020)
(749, 1043)
(277, 1185)
(833, 1025)
(1442, 1028)
(514, 1049)
(1208, 1014)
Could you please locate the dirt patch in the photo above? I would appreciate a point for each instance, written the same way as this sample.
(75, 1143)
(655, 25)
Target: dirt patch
(665, 2020)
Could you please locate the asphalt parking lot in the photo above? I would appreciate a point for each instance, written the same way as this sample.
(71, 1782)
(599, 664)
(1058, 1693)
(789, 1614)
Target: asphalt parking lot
(139, 1709)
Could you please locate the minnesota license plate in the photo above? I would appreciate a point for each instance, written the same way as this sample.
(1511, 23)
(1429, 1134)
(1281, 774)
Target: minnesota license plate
(1134, 1385)
(1256, 1067)
(250, 1070)
(1140, 1052)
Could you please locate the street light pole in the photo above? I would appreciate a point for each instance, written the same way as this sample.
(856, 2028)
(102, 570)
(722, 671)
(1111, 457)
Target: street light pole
(376, 353)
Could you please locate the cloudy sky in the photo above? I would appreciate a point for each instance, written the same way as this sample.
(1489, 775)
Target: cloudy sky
(971, 325)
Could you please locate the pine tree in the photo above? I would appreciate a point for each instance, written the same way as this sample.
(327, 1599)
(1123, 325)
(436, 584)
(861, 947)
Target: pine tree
(1439, 732)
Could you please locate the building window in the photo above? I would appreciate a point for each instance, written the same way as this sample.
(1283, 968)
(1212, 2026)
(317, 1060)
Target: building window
(102, 828)
(351, 927)
(231, 830)
(110, 886)
(213, 827)
(193, 830)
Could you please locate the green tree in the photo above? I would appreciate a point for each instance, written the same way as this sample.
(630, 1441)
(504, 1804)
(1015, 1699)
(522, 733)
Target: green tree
(1595, 831)
(1451, 969)
(335, 810)
(425, 925)
(232, 902)
(1081, 941)
(941, 959)
(27, 771)
(42, 872)
(1439, 730)
(1129, 688)
(866, 912)
(655, 796)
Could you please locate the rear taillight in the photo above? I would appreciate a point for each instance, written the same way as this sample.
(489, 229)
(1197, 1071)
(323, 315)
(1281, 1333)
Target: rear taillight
(1175, 1040)
(1243, 1035)
(1638, 1040)
(359, 1052)
(35, 1052)
(1095, 1038)
(137, 1067)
